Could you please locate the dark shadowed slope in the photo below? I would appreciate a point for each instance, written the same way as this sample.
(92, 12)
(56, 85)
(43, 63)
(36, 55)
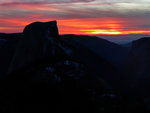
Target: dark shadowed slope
(8, 44)
(138, 66)
(108, 50)
(100, 67)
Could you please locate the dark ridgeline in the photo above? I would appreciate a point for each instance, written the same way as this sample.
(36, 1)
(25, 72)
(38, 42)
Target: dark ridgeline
(46, 73)
(112, 52)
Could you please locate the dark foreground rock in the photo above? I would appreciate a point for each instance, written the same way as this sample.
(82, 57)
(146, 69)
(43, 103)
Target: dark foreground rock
(48, 75)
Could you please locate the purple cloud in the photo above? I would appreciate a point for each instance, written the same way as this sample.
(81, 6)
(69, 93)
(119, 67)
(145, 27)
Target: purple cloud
(8, 2)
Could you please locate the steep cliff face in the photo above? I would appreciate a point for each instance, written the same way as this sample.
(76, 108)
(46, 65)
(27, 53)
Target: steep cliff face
(39, 41)
(138, 65)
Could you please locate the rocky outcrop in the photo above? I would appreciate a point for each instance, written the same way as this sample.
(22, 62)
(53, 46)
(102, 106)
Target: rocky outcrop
(39, 41)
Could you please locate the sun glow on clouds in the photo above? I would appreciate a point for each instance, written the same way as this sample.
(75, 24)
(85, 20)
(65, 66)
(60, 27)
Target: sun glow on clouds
(103, 26)
(76, 17)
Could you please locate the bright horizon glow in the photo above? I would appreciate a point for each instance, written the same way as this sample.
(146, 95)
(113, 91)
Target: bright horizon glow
(92, 17)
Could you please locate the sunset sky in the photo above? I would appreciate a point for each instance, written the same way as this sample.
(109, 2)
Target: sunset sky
(78, 16)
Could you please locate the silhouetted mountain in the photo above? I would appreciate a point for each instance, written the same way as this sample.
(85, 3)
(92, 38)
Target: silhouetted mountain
(46, 73)
(44, 76)
(100, 67)
(138, 66)
(26, 53)
(106, 49)
(123, 39)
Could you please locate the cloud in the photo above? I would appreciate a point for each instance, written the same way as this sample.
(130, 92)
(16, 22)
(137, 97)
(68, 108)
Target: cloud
(86, 9)
(77, 15)
(122, 1)
(7, 2)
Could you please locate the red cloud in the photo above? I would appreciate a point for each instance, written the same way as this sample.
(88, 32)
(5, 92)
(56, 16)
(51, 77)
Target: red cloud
(18, 2)
(14, 16)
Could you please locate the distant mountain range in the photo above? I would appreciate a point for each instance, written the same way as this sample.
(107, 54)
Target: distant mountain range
(122, 39)
(112, 52)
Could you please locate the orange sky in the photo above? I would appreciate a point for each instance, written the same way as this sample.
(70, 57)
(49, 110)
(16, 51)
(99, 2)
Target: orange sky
(76, 17)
